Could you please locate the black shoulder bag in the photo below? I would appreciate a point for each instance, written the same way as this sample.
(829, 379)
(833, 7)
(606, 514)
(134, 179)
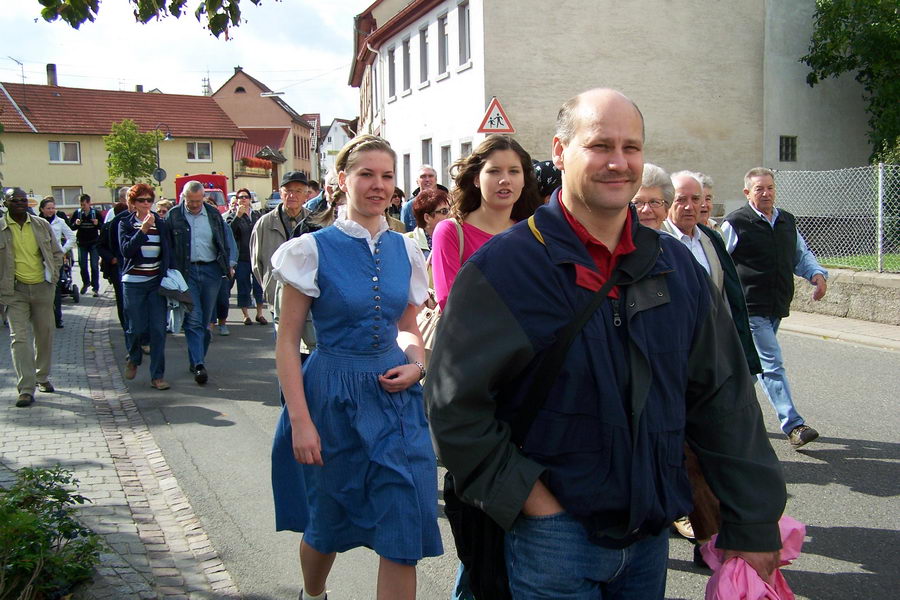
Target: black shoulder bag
(478, 538)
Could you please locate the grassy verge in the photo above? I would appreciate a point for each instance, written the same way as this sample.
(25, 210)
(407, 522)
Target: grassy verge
(863, 262)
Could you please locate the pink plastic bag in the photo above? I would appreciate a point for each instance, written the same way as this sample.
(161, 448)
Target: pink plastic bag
(736, 580)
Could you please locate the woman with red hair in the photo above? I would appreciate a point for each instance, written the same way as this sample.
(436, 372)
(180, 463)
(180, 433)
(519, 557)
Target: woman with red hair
(144, 243)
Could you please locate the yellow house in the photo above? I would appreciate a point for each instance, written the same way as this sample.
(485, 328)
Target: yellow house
(53, 138)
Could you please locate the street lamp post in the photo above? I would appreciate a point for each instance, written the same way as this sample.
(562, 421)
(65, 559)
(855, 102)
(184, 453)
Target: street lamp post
(159, 174)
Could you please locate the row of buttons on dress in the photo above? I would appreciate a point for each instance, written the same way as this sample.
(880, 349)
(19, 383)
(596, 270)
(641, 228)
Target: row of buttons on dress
(377, 298)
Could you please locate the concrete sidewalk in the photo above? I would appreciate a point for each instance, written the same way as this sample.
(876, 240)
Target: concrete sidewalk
(157, 547)
(867, 333)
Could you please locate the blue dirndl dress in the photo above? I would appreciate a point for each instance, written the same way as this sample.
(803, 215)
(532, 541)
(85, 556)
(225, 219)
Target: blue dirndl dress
(378, 485)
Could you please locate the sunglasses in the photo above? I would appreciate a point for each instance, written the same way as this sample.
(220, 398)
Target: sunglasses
(243, 197)
(147, 200)
(441, 211)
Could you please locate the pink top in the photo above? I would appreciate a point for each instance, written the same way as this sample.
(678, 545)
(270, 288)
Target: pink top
(445, 261)
(736, 580)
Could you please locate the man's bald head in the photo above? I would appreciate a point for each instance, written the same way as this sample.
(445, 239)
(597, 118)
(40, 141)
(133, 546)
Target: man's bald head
(567, 120)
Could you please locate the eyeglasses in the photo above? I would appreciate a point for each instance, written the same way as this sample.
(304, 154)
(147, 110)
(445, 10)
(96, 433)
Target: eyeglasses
(441, 211)
(653, 203)
(243, 197)
(147, 200)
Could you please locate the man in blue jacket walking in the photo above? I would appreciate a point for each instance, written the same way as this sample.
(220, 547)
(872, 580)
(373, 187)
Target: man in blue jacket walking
(587, 497)
(200, 251)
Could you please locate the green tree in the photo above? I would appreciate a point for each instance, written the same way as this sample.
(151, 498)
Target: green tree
(861, 37)
(132, 154)
(219, 14)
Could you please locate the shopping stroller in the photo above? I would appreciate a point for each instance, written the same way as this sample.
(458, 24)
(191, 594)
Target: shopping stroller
(67, 287)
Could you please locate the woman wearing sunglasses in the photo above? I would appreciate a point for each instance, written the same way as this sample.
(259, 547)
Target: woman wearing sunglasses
(144, 243)
(430, 207)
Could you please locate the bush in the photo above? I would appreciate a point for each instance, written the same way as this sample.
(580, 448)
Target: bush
(44, 550)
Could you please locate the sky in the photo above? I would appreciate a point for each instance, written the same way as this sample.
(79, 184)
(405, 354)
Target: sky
(301, 47)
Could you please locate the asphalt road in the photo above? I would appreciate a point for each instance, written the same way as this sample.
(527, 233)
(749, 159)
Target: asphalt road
(844, 487)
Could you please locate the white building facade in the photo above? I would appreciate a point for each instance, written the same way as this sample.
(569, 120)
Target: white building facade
(426, 86)
(720, 84)
(334, 137)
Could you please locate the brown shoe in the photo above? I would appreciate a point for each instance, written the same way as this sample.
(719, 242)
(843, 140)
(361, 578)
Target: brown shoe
(130, 369)
(802, 435)
(25, 400)
(261, 320)
(46, 387)
(160, 384)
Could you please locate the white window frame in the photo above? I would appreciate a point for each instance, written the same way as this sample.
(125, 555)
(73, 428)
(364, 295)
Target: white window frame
(60, 152)
(443, 41)
(196, 144)
(375, 88)
(446, 162)
(423, 54)
(407, 66)
(407, 173)
(427, 147)
(465, 147)
(60, 196)
(392, 74)
(465, 33)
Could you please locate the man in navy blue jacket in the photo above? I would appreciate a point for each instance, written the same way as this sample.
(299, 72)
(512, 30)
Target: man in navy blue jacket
(587, 498)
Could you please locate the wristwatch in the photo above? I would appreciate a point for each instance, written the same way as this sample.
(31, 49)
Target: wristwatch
(421, 369)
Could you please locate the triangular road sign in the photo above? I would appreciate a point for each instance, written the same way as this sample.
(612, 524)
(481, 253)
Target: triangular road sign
(495, 119)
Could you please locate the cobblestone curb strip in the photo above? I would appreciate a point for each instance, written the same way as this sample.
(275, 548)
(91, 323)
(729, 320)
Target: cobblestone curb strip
(157, 545)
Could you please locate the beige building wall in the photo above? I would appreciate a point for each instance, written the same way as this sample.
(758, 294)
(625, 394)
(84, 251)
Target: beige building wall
(248, 108)
(27, 164)
(173, 158)
(693, 67)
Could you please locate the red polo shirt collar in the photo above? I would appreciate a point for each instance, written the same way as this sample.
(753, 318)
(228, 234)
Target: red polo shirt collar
(604, 260)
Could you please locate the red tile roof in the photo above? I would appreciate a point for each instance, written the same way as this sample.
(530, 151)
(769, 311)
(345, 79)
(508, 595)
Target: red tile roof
(79, 111)
(274, 138)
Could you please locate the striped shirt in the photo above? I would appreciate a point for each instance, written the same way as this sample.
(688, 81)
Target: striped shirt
(149, 267)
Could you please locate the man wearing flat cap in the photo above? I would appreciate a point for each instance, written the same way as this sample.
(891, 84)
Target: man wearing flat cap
(275, 228)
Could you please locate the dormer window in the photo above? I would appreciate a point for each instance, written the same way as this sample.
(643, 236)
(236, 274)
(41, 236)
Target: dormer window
(240, 90)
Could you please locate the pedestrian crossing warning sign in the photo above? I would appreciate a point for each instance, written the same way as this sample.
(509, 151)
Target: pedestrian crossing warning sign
(495, 119)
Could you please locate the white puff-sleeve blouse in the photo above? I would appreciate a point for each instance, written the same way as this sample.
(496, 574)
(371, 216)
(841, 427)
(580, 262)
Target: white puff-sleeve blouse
(296, 262)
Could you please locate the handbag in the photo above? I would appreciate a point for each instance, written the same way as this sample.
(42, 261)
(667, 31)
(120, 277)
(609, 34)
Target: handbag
(430, 315)
(479, 540)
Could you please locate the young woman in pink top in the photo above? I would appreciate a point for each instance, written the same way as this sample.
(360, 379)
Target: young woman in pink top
(495, 189)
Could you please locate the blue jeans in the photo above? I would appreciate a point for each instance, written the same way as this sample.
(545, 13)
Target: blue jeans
(146, 311)
(551, 558)
(204, 282)
(223, 298)
(773, 379)
(89, 254)
(245, 282)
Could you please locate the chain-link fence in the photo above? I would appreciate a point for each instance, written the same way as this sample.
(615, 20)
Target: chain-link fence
(849, 217)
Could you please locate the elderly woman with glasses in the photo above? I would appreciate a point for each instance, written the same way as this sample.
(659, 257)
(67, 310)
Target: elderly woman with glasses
(654, 196)
(430, 207)
(144, 243)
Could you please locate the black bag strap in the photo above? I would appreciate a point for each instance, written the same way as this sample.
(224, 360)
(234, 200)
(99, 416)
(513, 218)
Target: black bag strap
(551, 363)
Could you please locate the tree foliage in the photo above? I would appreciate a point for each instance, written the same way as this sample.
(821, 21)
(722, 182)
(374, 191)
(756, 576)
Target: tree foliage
(132, 154)
(861, 37)
(218, 14)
